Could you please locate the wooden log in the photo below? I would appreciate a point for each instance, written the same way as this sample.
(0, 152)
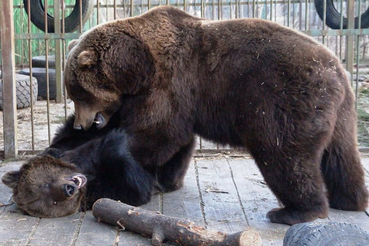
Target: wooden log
(161, 227)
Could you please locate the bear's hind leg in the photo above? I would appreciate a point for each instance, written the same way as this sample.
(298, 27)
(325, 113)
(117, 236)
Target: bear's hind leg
(171, 175)
(298, 184)
(341, 166)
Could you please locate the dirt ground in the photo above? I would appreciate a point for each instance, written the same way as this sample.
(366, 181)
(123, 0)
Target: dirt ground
(42, 133)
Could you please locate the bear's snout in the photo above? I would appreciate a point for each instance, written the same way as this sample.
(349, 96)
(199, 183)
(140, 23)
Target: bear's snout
(69, 190)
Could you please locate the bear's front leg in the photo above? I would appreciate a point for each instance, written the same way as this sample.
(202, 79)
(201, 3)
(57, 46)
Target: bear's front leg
(167, 158)
(171, 175)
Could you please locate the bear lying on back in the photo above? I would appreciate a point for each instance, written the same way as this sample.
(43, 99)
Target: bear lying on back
(249, 83)
(84, 167)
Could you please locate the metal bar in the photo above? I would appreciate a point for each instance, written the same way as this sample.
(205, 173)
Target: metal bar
(344, 32)
(341, 27)
(47, 75)
(289, 12)
(107, 5)
(300, 15)
(30, 76)
(219, 10)
(43, 36)
(23, 51)
(350, 39)
(271, 10)
(131, 8)
(58, 56)
(357, 70)
(63, 61)
(115, 9)
(97, 11)
(306, 15)
(202, 8)
(80, 16)
(324, 19)
(9, 86)
(236, 9)
(357, 56)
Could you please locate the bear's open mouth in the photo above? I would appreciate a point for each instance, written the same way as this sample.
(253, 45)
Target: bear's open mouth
(79, 179)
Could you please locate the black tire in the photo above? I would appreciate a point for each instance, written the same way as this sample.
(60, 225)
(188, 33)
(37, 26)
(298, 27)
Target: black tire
(23, 92)
(333, 17)
(40, 61)
(72, 21)
(40, 74)
(325, 234)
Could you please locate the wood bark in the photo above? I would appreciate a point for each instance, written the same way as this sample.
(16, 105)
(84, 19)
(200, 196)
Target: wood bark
(161, 227)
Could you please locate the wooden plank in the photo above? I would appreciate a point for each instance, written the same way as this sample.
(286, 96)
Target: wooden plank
(9, 85)
(185, 203)
(94, 233)
(257, 200)
(15, 227)
(129, 238)
(5, 192)
(56, 231)
(182, 203)
(222, 207)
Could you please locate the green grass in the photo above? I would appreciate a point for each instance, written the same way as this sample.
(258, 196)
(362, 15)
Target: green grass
(363, 118)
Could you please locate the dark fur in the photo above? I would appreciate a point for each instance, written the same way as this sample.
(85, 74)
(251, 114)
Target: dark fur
(248, 83)
(106, 162)
(111, 170)
(67, 138)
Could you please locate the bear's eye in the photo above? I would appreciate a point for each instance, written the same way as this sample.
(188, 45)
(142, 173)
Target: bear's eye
(55, 203)
(45, 186)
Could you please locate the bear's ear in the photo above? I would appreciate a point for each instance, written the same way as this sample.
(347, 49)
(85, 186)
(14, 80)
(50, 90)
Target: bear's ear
(87, 58)
(11, 178)
(72, 43)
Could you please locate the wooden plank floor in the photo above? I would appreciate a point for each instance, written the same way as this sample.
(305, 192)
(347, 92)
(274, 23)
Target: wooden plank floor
(221, 193)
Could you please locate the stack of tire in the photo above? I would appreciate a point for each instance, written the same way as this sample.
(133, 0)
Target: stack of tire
(23, 90)
(80, 13)
(39, 72)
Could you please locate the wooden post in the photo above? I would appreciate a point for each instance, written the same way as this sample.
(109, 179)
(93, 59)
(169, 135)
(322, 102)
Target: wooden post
(9, 83)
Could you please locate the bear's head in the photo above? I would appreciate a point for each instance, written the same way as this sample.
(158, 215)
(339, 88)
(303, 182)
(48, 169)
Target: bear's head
(103, 66)
(47, 187)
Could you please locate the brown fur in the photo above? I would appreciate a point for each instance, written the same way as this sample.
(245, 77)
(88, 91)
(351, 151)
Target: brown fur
(77, 169)
(38, 187)
(248, 83)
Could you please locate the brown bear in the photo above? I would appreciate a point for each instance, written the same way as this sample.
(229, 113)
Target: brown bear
(248, 83)
(77, 169)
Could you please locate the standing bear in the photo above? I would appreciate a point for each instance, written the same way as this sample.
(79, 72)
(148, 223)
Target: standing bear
(248, 83)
